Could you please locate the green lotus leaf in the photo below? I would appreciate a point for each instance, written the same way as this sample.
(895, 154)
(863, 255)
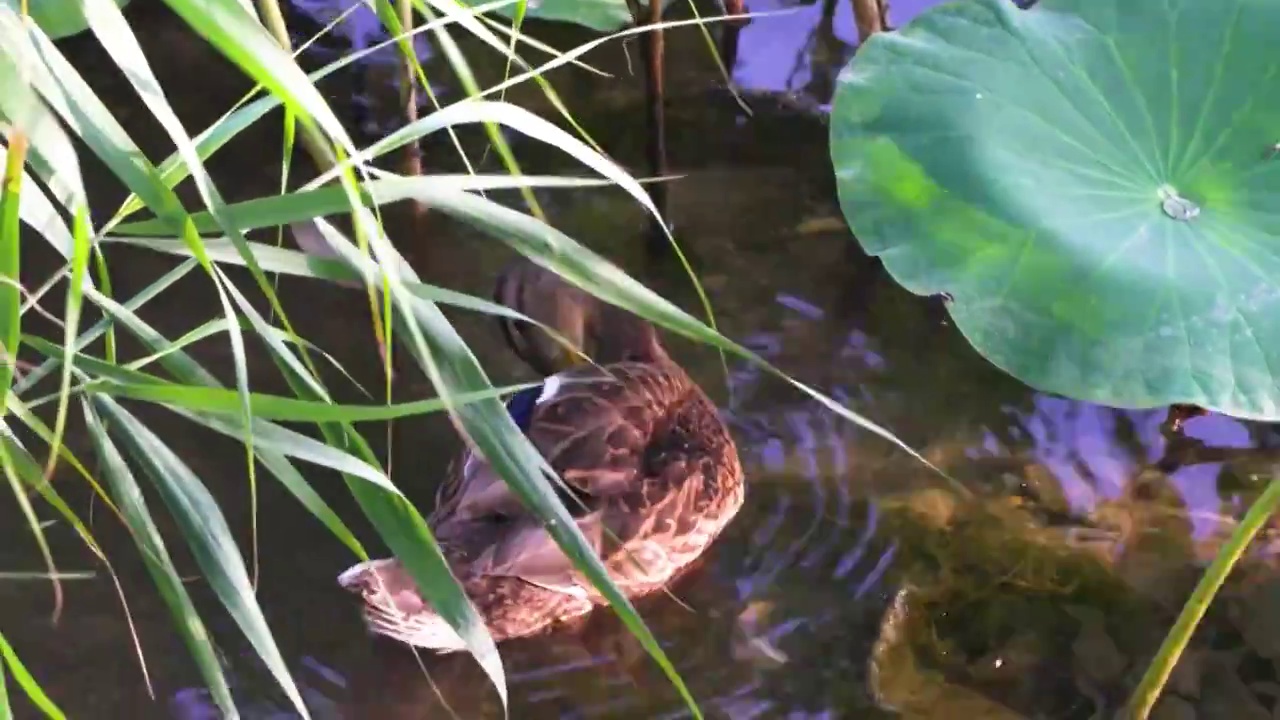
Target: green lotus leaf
(1095, 183)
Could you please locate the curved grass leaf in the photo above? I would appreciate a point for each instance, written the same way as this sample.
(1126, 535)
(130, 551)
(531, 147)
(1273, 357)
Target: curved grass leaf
(529, 124)
(293, 444)
(6, 712)
(10, 259)
(28, 684)
(468, 22)
(429, 570)
(206, 533)
(117, 38)
(128, 497)
(312, 203)
(235, 33)
(61, 18)
(70, 326)
(29, 127)
(334, 265)
(118, 381)
(36, 210)
(298, 264)
(275, 407)
(132, 371)
(51, 153)
(217, 135)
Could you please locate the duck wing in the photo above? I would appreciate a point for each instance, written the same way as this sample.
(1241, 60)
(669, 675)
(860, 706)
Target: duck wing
(595, 427)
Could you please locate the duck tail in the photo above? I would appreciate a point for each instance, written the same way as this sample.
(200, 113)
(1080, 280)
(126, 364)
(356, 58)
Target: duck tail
(393, 607)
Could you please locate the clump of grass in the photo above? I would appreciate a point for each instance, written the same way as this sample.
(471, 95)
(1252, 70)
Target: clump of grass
(48, 107)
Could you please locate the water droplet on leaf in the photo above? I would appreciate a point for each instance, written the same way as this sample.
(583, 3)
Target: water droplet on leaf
(1176, 206)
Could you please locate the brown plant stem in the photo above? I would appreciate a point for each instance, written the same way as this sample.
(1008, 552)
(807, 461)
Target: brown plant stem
(412, 161)
(652, 52)
(870, 17)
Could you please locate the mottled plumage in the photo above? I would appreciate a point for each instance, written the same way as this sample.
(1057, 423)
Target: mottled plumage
(651, 476)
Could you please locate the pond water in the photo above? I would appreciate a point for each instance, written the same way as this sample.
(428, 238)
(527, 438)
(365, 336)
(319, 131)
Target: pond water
(853, 583)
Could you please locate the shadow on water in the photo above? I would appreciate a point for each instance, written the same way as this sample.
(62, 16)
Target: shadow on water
(851, 585)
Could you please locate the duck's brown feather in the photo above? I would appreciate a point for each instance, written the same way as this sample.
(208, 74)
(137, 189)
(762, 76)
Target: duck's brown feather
(650, 476)
(643, 458)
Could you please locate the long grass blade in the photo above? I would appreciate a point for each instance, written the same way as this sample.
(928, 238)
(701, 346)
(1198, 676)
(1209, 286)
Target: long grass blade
(117, 381)
(70, 328)
(239, 36)
(128, 496)
(35, 209)
(310, 203)
(10, 260)
(207, 535)
(29, 127)
(28, 684)
(329, 267)
(428, 569)
(50, 152)
(6, 712)
(275, 407)
(205, 331)
(245, 114)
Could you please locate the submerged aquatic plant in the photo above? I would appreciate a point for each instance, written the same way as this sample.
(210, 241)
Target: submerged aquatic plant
(48, 108)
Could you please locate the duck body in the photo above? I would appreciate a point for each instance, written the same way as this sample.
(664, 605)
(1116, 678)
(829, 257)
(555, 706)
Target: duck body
(650, 475)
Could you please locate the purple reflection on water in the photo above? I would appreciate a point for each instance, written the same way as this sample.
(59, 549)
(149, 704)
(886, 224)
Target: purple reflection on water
(1198, 483)
(1076, 441)
(361, 27)
(775, 52)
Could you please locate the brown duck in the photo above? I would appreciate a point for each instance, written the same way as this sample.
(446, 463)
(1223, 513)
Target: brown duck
(652, 473)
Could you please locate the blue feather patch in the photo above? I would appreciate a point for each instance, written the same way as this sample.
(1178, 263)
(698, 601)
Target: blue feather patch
(521, 405)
